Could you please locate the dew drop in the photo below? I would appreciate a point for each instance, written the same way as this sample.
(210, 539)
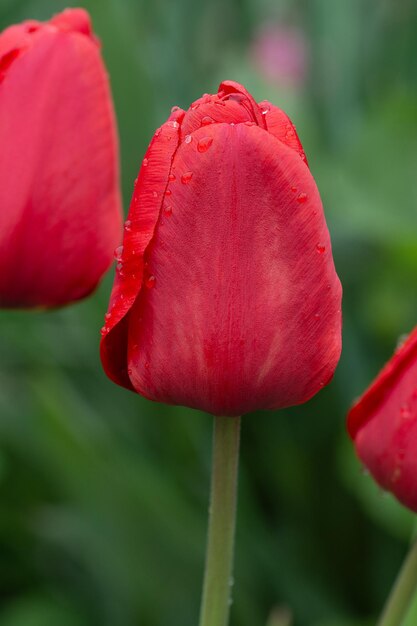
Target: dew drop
(302, 197)
(118, 253)
(107, 316)
(174, 109)
(168, 192)
(145, 162)
(185, 178)
(250, 124)
(265, 111)
(204, 144)
(128, 225)
(405, 411)
(104, 330)
(195, 106)
(396, 475)
(320, 248)
(317, 316)
(188, 139)
(154, 194)
(130, 371)
(119, 267)
(168, 210)
(150, 282)
(290, 133)
(206, 120)
(171, 177)
(293, 189)
(401, 341)
(173, 124)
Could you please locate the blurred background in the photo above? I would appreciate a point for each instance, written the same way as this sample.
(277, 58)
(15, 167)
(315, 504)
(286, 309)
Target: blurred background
(103, 495)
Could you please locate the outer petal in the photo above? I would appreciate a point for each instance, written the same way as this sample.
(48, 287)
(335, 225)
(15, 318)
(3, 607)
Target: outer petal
(60, 211)
(244, 309)
(279, 124)
(148, 197)
(383, 425)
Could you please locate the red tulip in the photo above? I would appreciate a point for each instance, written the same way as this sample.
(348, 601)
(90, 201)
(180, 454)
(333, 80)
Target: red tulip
(383, 425)
(226, 297)
(60, 216)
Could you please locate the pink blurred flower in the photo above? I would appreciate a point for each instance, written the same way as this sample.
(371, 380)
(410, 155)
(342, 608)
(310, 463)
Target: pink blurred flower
(280, 54)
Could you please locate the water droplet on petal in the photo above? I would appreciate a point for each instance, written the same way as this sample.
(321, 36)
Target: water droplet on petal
(154, 194)
(150, 282)
(168, 192)
(145, 162)
(206, 120)
(265, 110)
(130, 371)
(107, 316)
(293, 189)
(104, 330)
(188, 139)
(118, 253)
(204, 144)
(185, 178)
(320, 248)
(171, 177)
(401, 341)
(128, 225)
(174, 109)
(250, 124)
(405, 411)
(119, 267)
(168, 210)
(317, 316)
(302, 197)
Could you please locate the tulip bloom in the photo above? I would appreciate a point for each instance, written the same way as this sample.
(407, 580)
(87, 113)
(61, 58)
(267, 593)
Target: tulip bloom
(60, 210)
(383, 425)
(226, 298)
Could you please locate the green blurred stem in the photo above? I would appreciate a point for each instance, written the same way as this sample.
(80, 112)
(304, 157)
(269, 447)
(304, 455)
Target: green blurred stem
(216, 601)
(402, 592)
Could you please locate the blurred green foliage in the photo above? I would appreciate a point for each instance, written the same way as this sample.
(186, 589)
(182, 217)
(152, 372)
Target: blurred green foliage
(104, 494)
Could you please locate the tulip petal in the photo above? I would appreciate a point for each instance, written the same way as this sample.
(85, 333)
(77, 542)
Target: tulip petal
(279, 124)
(383, 425)
(231, 88)
(60, 206)
(244, 299)
(143, 216)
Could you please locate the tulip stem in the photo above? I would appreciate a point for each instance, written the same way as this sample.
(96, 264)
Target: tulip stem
(216, 601)
(402, 592)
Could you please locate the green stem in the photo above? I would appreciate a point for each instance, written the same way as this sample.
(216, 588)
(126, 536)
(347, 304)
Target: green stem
(402, 593)
(216, 601)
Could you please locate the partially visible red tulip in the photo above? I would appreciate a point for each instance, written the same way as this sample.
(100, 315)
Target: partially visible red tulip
(60, 210)
(226, 298)
(383, 425)
(280, 53)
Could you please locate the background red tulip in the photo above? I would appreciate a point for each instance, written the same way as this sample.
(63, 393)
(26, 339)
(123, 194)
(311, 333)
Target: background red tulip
(226, 297)
(383, 425)
(59, 198)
